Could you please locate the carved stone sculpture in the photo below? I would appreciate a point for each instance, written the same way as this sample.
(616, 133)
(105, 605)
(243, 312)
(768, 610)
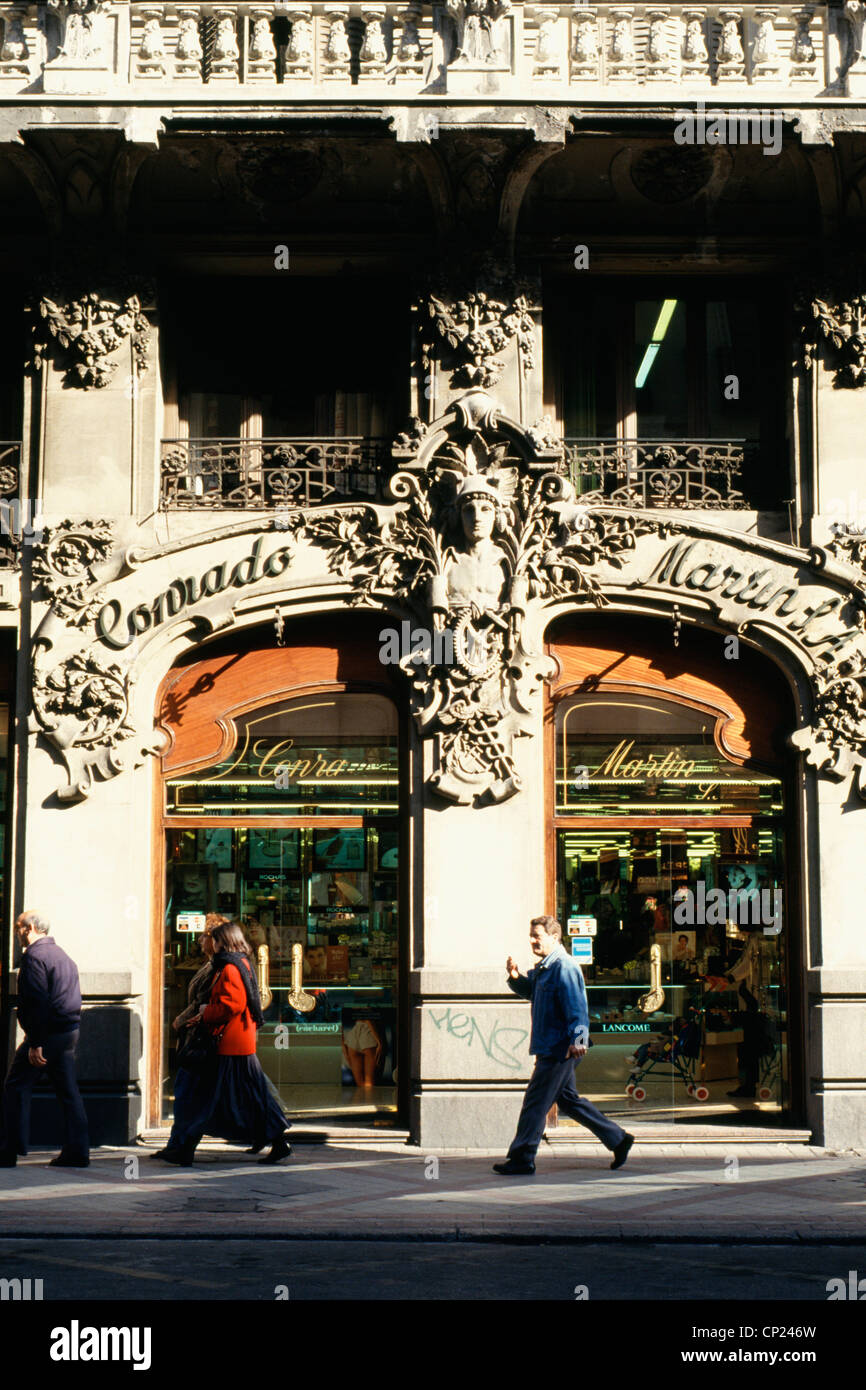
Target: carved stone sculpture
(476, 23)
(80, 31)
(88, 330)
(476, 328)
(480, 536)
(63, 567)
(841, 322)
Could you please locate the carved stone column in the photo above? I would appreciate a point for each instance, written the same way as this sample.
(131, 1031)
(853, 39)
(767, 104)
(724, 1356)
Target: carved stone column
(374, 53)
(584, 48)
(620, 54)
(338, 55)
(695, 57)
(408, 58)
(225, 53)
(547, 60)
(14, 53)
(299, 56)
(262, 52)
(188, 51)
(730, 58)
(804, 60)
(659, 59)
(150, 60)
(766, 62)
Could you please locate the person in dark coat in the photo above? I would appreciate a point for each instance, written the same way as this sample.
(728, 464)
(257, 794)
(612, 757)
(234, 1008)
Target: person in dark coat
(197, 996)
(560, 1038)
(49, 1012)
(231, 1100)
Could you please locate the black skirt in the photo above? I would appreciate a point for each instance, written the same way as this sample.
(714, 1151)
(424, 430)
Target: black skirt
(233, 1102)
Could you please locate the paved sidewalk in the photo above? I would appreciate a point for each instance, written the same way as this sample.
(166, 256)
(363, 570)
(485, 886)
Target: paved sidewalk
(738, 1191)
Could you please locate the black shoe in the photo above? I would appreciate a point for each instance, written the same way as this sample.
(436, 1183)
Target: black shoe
(620, 1153)
(69, 1161)
(743, 1092)
(255, 1148)
(510, 1169)
(182, 1157)
(280, 1149)
(7, 1159)
(164, 1153)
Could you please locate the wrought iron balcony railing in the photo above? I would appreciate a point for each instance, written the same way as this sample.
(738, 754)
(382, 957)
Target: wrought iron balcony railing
(250, 474)
(355, 49)
(658, 473)
(259, 474)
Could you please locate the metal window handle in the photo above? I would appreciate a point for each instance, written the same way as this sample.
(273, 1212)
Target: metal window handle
(655, 997)
(298, 998)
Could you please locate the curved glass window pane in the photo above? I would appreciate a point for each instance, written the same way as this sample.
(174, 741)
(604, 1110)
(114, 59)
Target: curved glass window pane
(323, 754)
(619, 754)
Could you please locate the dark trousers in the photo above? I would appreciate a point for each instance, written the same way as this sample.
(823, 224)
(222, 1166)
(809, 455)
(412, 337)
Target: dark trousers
(553, 1081)
(59, 1052)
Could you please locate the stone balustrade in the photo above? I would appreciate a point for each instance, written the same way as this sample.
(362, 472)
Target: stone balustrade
(335, 48)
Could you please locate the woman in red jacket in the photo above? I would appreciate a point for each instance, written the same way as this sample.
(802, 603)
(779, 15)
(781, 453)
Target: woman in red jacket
(234, 1102)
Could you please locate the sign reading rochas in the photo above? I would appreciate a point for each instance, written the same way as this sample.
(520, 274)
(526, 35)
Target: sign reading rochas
(119, 628)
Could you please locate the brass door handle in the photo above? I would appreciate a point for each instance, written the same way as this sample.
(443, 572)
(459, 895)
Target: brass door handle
(298, 998)
(655, 996)
(264, 976)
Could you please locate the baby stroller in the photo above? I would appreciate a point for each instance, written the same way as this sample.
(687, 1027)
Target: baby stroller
(679, 1056)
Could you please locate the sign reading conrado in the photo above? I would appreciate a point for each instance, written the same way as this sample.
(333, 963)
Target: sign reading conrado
(119, 629)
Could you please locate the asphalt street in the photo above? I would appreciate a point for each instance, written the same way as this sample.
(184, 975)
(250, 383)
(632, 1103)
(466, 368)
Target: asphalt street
(380, 1270)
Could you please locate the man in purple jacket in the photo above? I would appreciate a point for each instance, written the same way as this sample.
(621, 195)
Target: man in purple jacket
(49, 1011)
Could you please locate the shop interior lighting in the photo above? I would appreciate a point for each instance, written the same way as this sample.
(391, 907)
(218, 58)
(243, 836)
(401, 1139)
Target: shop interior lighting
(655, 342)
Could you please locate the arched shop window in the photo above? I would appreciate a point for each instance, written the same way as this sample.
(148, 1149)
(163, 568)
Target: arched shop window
(294, 831)
(670, 880)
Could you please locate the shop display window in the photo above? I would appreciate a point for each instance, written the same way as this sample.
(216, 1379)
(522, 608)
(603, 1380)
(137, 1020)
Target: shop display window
(697, 912)
(329, 888)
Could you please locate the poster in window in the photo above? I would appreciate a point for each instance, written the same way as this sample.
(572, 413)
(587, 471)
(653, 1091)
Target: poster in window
(274, 849)
(340, 849)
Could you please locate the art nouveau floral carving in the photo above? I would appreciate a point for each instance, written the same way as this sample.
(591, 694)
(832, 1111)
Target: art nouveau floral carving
(89, 329)
(842, 324)
(63, 567)
(474, 330)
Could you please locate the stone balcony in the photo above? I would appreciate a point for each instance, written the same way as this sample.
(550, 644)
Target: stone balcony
(354, 51)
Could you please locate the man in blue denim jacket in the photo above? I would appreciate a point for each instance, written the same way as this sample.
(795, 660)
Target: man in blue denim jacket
(560, 1037)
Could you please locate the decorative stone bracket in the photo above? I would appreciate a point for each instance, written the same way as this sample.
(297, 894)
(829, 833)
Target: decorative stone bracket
(484, 543)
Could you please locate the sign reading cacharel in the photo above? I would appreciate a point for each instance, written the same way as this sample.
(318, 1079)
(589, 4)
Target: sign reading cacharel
(770, 589)
(119, 627)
